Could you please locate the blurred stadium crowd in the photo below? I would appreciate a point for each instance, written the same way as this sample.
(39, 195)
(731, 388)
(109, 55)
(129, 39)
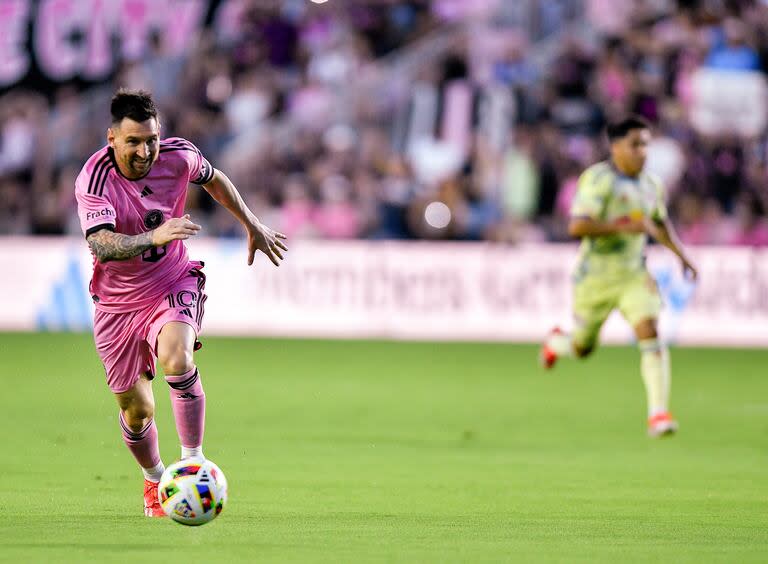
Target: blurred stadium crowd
(442, 119)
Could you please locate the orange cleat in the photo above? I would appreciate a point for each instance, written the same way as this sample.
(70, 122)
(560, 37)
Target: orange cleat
(152, 507)
(548, 357)
(662, 425)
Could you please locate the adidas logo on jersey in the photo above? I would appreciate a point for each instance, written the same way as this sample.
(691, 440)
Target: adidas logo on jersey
(146, 191)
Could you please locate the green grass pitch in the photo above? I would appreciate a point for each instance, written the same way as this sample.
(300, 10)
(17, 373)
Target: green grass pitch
(395, 452)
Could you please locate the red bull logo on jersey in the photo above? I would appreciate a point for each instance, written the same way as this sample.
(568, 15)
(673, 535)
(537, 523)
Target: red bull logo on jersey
(105, 212)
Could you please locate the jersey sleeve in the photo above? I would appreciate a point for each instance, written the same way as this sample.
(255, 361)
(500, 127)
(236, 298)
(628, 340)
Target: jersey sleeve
(592, 194)
(200, 170)
(95, 212)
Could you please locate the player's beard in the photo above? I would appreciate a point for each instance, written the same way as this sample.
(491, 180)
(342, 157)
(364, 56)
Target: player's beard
(140, 167)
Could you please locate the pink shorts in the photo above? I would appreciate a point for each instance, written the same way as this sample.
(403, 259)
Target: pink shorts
(127, 342)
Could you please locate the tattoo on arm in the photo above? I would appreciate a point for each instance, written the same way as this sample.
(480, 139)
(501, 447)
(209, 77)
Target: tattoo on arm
(108, 245)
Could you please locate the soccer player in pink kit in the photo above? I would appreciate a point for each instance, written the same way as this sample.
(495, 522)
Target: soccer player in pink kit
(148, 294)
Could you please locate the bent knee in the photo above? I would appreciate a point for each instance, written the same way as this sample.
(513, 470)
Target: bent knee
(646, 329)
(138, 414)
(583, 351)
(176, 361)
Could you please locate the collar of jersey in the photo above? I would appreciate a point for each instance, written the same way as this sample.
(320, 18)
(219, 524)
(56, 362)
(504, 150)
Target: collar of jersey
(117, 168)
(616, 170)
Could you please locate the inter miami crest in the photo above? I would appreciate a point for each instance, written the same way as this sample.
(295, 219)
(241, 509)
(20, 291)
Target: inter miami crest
(153, 218)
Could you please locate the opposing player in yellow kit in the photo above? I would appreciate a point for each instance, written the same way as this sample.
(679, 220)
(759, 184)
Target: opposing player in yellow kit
(616, 208)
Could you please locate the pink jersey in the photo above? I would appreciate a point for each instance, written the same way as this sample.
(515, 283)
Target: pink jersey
(107, 199)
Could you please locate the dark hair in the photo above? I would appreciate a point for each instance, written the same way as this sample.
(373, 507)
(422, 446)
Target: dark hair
(133, 104)
(619, 129)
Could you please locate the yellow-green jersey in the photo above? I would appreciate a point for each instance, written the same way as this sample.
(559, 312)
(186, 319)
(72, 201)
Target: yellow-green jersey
(604, 194)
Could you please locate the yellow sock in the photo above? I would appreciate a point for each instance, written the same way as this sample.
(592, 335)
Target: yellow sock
(654, 366)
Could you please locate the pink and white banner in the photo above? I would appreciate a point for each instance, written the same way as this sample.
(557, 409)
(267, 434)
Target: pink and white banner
(61, 40)
(425, 291)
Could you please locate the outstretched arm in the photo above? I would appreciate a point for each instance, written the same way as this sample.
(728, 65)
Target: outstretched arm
(583, 226)
(667, 236)
(661, 230)
(260, 237)
(108, 245)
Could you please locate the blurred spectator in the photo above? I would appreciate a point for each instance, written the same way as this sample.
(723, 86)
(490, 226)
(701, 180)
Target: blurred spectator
(337, 216)
(730, 50)
(749, 227)
(418, 118)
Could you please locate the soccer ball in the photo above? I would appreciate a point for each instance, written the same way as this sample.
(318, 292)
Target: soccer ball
(193, 491)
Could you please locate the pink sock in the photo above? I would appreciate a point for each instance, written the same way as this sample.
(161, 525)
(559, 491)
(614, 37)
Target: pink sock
(142, 444)
(188, 402)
